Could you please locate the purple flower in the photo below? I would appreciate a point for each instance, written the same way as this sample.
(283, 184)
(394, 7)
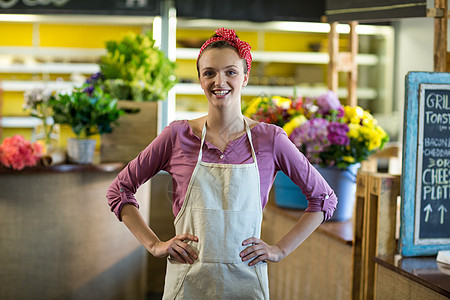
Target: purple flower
(337, 133)
(311, 138)
(89, 89)
(327, 102)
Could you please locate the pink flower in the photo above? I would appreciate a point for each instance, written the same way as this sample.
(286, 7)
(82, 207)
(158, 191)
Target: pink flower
(18, 153)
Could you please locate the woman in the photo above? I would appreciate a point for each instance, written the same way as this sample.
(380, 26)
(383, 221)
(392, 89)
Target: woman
(223, 166)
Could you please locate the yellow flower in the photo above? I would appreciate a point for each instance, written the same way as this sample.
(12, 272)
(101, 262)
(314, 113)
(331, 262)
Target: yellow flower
(353, 115)
(359, 112)
(349, 159)
(294, 123)
(252, 108)
(284, 103)
(381, 132)
(353, 130)
(373, 144)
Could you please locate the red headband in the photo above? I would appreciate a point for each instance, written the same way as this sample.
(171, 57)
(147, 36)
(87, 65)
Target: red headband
(229, 35)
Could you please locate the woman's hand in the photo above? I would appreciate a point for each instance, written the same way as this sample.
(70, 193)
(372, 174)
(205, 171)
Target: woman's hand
(260, 251)
(177, 248)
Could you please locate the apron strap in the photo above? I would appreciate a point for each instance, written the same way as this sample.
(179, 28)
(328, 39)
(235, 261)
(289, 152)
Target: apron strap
(249, 135)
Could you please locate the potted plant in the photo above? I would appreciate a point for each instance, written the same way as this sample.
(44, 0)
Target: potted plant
(134, 69)
(335, 138)
(138, 74)
(88, 111)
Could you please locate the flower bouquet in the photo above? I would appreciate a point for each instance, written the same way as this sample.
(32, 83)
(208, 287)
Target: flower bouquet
(37, 101)
(18, 153)
(327, 133)
(334, 138)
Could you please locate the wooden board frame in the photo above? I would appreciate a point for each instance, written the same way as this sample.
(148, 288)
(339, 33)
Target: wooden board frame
(409, 169)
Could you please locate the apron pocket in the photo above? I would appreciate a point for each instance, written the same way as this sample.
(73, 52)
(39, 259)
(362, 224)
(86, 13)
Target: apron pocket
(223, 232)
(263, 278)
(175, 274)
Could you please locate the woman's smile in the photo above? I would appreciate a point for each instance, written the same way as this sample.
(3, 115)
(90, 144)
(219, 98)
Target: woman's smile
(221, 93)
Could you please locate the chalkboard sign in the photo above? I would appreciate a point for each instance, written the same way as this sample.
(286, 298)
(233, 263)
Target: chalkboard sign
(97, 7)
(425, 227)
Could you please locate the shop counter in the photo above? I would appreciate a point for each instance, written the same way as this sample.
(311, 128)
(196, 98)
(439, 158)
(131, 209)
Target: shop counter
(320, 268)
(415, 278)
(59, 239)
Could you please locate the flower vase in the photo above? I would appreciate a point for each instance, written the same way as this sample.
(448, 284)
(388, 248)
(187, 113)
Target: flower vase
(343, 182)
(47, 135)
(81, 151)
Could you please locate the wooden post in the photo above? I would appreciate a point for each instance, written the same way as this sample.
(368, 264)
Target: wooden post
(379, 225)
(343, 62)
(440, 37)
(353, 72)
(362, 193)
(333, 50)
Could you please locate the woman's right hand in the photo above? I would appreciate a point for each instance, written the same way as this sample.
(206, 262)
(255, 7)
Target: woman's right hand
(177, 248)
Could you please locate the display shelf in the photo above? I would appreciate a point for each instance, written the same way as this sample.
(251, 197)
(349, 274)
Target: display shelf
(52, 52)
(24, 85)
(255, 90)
(287, 57)
(19, 122)
(51, 68)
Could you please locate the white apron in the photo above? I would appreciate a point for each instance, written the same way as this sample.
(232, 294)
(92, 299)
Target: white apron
(222, 208)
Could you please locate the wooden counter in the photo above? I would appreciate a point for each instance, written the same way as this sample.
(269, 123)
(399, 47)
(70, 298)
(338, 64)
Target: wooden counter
(321, 268)
(415, 278)
(59, 239)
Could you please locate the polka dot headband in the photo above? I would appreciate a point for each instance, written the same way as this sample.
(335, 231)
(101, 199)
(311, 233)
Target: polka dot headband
(229, 35)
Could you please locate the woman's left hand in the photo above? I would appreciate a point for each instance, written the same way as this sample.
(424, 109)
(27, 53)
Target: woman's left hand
(260, 251)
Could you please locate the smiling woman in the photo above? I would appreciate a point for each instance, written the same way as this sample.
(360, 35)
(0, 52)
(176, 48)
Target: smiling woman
(223, 166)
(222, 76)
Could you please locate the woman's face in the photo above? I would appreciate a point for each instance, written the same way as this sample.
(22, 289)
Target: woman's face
(221, 75)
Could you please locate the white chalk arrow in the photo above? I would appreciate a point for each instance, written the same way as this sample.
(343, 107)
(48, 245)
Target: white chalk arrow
(427, 211)
(443, 210)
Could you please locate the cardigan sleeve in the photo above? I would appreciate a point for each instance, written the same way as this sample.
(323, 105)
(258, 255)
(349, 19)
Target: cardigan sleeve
(147, 164)
(294, 164)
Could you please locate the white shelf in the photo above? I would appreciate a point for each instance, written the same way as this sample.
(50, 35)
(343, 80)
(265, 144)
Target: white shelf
(51, 68)
(255, 90)
(22, 85)
(53, 52)
(19, 122)
(286, 57)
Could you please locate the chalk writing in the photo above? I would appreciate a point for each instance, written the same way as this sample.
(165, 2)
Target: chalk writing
(433, 169)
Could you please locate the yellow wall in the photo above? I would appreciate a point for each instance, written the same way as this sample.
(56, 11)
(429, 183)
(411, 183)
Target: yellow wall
(50, 35)
(81, 36)
(16, 34)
